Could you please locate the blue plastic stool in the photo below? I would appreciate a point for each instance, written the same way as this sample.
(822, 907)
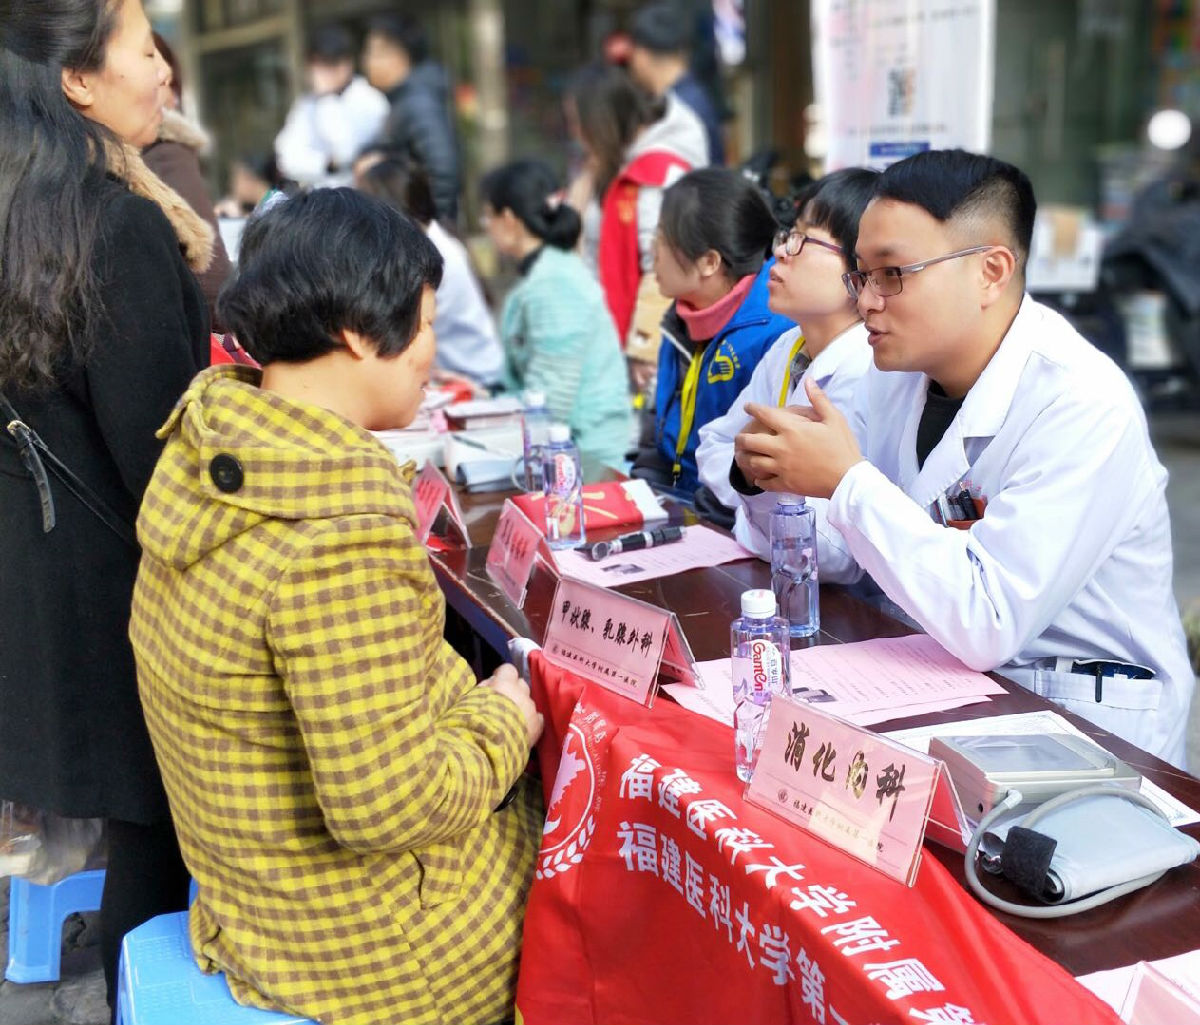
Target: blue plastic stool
(35, 920)
(159, 983)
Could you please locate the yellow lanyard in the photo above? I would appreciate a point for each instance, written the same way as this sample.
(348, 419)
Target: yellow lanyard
(687, 412)
(787, 376)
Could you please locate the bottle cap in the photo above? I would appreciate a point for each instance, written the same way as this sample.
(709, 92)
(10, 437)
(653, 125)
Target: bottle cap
(791, 502)
(758, 603)
(559, 433)
(533, 398)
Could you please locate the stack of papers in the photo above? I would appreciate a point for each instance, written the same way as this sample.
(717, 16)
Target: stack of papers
(494, 448)
(418, 446)
(1115, 987)
(865, 683)
(485, 458)
(495, 412)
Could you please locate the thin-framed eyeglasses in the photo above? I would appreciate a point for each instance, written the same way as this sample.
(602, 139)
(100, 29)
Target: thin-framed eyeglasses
(885, 281)
(793, 242)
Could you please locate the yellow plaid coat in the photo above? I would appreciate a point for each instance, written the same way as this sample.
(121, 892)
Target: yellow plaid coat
(331, 766)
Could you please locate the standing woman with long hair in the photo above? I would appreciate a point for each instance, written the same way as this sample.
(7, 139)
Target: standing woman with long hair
(102, 326)
(636, 146)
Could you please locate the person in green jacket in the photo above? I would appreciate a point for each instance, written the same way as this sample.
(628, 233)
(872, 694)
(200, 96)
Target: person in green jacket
(558, 336)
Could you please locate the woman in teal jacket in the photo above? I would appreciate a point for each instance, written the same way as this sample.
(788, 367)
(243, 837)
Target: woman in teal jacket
(558, 335)
(714, 233)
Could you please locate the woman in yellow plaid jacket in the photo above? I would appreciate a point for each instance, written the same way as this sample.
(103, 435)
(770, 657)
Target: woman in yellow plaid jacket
(336, 777)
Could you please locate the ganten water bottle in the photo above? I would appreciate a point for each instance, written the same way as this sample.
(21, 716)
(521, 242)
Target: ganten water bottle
(760, 649)
(564, 489)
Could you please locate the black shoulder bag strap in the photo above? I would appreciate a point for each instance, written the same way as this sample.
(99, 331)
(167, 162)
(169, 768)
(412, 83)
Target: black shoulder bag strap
(37, 457)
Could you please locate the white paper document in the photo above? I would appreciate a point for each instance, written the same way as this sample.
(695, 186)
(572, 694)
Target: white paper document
(699, 547)
(865, 683)
(889, 675)
(1113, 986)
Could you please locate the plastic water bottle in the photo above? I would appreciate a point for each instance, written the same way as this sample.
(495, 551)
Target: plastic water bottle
(564, 489)
(760, 648)
(535, 429)
(794, 565)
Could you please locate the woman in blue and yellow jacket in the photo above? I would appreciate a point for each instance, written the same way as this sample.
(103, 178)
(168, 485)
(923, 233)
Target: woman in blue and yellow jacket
(709, 257)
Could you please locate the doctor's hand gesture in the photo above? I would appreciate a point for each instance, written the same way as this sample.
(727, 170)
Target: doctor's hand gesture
(800, 450)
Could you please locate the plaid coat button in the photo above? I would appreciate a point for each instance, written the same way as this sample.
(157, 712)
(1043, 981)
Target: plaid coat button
(226, 473)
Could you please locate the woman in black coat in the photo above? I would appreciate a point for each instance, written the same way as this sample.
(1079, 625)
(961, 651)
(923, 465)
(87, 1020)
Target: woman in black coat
(102, 326)
(174, 157)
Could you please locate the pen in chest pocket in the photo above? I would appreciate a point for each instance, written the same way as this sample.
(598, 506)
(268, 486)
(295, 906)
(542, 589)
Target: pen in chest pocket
(961, 504)
(965, 504)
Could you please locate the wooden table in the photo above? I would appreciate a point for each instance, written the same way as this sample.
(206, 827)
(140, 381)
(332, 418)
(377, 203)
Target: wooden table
(1156, 922)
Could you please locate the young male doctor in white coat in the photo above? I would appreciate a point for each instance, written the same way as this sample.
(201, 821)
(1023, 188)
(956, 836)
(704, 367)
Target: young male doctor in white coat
(1055, 566)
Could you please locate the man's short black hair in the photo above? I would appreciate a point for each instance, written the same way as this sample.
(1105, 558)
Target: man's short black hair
(660, 28)
(952, 184)
(323, 262)
(331, 44)
(403, 31)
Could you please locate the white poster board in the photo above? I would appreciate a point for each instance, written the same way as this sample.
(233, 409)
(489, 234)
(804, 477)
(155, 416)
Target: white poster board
(893, 79)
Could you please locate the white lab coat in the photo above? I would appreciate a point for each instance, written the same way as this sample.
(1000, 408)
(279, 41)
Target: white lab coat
(1072, 558)
(467, 342)
(329, 130)
(837, 369)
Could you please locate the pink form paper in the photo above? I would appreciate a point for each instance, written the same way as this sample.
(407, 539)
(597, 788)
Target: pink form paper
(865, 682)
(699, 547)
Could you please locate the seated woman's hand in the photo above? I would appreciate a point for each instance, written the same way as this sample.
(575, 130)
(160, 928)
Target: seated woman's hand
(506, 681)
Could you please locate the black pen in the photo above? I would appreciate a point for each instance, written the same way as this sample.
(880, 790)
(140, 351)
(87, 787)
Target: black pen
(967, 504)
(632, 542)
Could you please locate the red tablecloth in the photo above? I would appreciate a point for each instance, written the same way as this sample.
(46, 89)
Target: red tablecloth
(661, 897)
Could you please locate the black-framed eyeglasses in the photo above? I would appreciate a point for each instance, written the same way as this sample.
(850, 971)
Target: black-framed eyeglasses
(885, 281)
(792, 243)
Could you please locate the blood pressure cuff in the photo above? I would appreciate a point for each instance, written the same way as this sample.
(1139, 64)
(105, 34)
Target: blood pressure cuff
(1084, 846)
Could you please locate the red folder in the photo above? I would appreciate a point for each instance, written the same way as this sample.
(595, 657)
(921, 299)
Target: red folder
(617, 504)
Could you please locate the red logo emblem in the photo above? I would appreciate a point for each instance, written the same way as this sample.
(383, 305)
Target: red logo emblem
(570, 824)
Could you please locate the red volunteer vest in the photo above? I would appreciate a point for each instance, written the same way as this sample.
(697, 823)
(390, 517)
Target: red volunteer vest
(618, 254)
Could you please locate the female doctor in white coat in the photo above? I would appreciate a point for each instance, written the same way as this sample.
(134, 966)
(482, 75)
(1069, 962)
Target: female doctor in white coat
(829, 346)
(1059, 575)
